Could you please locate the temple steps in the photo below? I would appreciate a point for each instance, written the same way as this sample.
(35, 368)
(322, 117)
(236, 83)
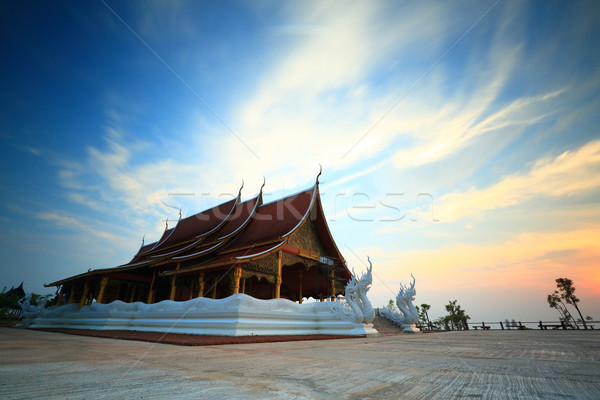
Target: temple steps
(384, 326)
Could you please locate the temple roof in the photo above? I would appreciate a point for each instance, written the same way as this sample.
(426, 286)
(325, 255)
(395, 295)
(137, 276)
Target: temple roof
(16, 291)
(231, 232)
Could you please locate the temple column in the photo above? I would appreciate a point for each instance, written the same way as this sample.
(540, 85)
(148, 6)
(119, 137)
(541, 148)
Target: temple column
(151, 292)
(103, 283)
(213, 293)
(331, 275)
(243, 290)
(277, 292)
(132, 296)
(174, 284)
(201, 285)
(191, 295)
(60, 295)
(71, 294)
(300, 287)
(86, 290)
(237, 274)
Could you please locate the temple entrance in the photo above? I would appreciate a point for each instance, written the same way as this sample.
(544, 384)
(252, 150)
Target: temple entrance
(259, 288)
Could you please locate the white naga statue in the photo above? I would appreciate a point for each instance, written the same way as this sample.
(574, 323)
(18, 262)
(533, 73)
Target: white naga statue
(356, 296)
(29, 309)
(408, 316)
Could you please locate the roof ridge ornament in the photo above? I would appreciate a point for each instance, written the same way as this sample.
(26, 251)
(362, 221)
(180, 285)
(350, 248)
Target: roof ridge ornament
(240, 191)
(259, 201)
(320, 172)
(143, 238)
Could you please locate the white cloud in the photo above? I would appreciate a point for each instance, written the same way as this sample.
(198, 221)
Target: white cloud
(570, 173)
(72, 223)
(314, 101)
(358, 174)
(79, 198)
(34, 150)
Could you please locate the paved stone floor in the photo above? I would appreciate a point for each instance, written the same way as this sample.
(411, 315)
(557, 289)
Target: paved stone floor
(473, 364)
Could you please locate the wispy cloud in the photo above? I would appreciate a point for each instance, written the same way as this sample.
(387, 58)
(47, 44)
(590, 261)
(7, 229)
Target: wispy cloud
(313, 99)
(110, 181)
(454, 127)
(84, 200)
(72, 223)
(34, 150)
(569, 174)
(358, 174)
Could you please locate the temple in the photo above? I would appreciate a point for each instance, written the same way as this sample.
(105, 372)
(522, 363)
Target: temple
(281, 249)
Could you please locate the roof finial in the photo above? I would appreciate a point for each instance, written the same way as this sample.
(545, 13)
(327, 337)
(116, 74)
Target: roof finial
(263, 185)
(320, 172)
(167, 223)
(180, 213)
(143, 238)
(240, 191)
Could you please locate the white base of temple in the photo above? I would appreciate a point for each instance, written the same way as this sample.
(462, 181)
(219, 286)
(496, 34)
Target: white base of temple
(237, 315)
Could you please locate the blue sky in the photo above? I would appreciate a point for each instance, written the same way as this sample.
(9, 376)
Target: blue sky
(459, 140)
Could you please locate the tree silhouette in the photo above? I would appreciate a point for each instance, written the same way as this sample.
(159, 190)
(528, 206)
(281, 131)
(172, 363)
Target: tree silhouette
(554, 301)
(424, 316)
(456, 317)
(566, 292)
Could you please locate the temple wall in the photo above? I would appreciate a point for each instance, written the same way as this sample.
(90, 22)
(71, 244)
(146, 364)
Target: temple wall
(237, 315)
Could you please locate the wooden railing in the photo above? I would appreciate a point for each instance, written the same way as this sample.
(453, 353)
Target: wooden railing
(544, 325)
(523, 325)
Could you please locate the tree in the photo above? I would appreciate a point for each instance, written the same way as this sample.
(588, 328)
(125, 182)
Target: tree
(439, 323)
(565, 316)
(8, 301)
(392, 306)
(566, 293)
(456, 316)
(424, 316)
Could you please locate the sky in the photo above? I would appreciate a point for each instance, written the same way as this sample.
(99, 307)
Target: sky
(459, 140)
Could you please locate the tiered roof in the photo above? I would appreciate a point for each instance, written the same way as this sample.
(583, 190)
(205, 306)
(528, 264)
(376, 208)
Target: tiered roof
(232, 232)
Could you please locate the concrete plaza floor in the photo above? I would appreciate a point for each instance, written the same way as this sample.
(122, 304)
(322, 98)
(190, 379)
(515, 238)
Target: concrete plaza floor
(474, 364)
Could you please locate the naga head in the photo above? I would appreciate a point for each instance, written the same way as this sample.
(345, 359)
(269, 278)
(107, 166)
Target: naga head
(351, 287)
(24, 302)
(407, 292)
(365, 280)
